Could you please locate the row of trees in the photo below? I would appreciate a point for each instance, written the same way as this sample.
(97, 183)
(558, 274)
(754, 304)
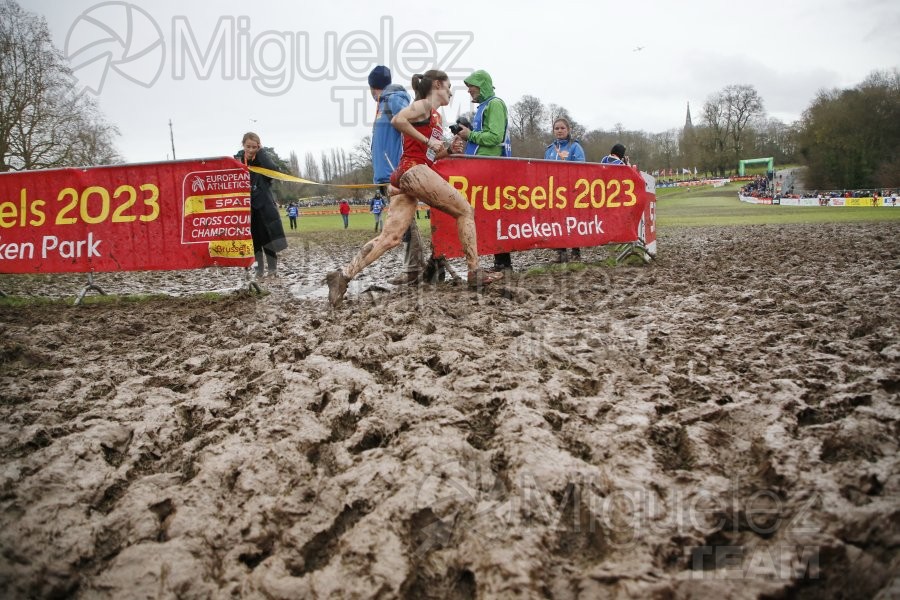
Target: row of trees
(848, 138)
(334, 166)
(732, 125)
(851, 138)
(44, 122)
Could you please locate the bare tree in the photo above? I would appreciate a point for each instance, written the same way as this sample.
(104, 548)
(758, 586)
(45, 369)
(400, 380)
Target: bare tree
(726, 115)
(344, 162)
(362, 153)
(311, 168)
(361, 160)
(715, 135)
(526, 119)
(93, 144)
(327, 172)
(773, 138)
(311, 172)
(337, 169)
(43, 121)
(555, 112)
(744, 106)
(666, 146)
(687, 140)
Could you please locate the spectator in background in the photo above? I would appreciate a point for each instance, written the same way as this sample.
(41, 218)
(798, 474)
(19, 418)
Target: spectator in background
(564, 147)
(376, 206)
(616, 156)
(759, 187)
(266, 228)
(292, 213)
(344, 209)
(387, 149)
(489, 135)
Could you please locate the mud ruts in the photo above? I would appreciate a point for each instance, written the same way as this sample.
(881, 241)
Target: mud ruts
(723, 423)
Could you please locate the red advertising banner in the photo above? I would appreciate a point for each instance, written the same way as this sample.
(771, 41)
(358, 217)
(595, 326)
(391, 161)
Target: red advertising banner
(155, 216)
(522, 204)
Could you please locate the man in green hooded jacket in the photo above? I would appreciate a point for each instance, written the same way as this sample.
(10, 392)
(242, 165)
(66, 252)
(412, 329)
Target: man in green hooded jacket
(489, 135)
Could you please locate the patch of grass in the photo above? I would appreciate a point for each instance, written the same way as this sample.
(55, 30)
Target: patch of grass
(113, 299)
(674, 192)
(675, 207)
(25, 301)
(211, 296)
(697, 207)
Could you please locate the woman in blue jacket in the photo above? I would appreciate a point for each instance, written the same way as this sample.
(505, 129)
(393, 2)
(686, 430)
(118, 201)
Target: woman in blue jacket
(564, 148)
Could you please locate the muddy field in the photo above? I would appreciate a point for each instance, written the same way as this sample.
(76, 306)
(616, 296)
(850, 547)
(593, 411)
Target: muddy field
(721, 424)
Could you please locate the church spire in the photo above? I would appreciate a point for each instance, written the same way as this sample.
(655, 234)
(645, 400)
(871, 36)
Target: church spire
(687, 119)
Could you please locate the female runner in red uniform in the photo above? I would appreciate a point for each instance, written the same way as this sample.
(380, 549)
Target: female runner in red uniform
(415, 180)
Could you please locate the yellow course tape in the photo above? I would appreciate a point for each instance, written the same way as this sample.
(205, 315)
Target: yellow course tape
(284, 177)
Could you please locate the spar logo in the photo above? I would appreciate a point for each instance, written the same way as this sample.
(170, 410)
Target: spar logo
(115, 36)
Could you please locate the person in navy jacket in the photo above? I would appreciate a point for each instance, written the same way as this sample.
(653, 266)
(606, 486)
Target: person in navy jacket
(616, 156)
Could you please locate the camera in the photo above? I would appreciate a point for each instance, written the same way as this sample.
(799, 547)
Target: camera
(460, 123)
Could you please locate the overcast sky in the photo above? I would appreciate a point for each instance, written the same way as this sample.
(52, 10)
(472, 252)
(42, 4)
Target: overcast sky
(295, 72)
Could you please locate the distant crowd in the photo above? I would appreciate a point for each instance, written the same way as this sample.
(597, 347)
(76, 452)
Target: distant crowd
(761, 187)
(758, 188)
(882, 198)
(848, 194)
(889, 196)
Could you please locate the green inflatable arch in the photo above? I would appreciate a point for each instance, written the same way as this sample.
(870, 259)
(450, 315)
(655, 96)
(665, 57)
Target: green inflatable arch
(770, 164)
